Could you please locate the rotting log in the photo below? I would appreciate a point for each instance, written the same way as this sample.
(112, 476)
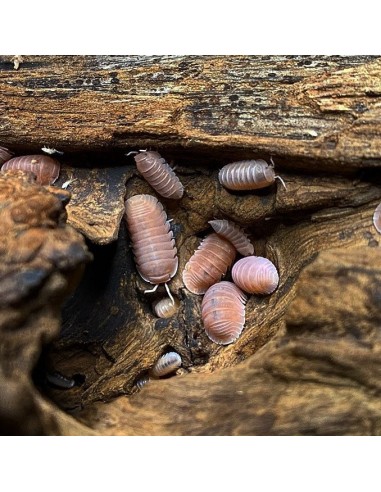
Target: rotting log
(309, 357)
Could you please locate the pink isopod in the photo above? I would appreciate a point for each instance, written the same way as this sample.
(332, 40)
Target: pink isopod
(165, 308)
(45, 168)
(255, 275)
(166, 364)
(234, 234)
(153, 244)
(159, 174)
(208, 264)
(5, 155)
(377, 218)
(223, 312)
(248, 175)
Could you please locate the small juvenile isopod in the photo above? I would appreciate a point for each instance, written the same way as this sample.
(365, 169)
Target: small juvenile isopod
(166, 364)
(234, 234)
(142, 381)
(60, 381)
(208, 263)
(5, 155)
(159, 174)
(153, 244)
(45, 168)
(255, 275)
(377, 218)
(223, 312)
(165, 308)
(248, 175)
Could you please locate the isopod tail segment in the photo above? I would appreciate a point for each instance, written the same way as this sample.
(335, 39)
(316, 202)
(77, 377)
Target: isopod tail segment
(166, 288)
(278, 177)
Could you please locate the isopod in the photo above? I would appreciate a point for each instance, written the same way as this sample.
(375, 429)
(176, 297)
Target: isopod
(5, 155)
(165, 308)
(45, 168)
(208, 263)
(248, 175)
(234, 234)
(377, 218)
(166, 364)
(60, 381)
(153, 244)
(142, 381)
(159, 174)
(255, 275)
(223, 312)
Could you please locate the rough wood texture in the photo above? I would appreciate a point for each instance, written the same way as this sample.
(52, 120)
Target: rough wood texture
(308, 360)
(41, 260)
(323, 111)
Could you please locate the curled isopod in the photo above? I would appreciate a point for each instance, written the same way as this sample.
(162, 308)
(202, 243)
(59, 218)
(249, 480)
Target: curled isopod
(377, 218)
(166, 364)
(248, 175)
(223, 312)
(165, 308)
(255, 275)
(5, 155)
(45, 168)
(208, 263)
(152, 240)
(159, 174)
(234, 234)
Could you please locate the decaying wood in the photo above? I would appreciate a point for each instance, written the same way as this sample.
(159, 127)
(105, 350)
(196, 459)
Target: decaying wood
(317, 112)
(41, 260)
(309, 357)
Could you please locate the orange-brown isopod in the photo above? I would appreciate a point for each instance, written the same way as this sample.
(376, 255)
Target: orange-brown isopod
(5, 155)
(208, 264)
(152, 240)
(247, 175)
(45, 168)
(377, 218)
(159, 174)
(165, 308)
(234, 234)
(223, 312)
(255, 275)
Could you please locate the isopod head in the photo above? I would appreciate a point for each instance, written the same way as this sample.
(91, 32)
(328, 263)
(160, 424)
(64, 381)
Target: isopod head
(377, 218)
(255, 275)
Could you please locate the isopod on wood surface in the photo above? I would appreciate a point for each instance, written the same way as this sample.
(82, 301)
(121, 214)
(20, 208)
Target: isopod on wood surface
(166, 364)
(142, 381)
(255, 275)
(165, 308)
(153, 244)
(377, 218)
(45, 168)
(223, 312)
(159, 174)
(208, 263)
(60, 381)
(248, 175)
(234, 234)
(5, 155)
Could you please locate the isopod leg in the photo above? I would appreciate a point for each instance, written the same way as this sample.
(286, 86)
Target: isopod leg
(151, 290)
(281, 180)
(169, 293)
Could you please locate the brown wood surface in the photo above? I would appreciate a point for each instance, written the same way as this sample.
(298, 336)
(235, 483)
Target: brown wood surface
(309, 358)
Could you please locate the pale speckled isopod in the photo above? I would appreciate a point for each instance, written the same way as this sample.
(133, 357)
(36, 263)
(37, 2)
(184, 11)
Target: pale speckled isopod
(45, 168)
(377, 218)
(208, 263)
(234, 234)
(165, 308)
(166, 364)
(223, 312)
(5, 155)
(159, 174)
(248, 175)
(153, 244)
(255, 275)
